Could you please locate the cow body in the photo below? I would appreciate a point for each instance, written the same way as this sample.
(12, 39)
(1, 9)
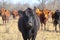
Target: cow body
(43, 20)
(28, 24)
(5, 15)
(44, 16)
(56, 19)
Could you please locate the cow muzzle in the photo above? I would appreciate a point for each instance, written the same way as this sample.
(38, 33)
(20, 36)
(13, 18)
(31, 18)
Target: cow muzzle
(30, 24)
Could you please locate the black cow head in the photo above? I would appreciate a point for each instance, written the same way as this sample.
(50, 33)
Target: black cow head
(29, 17)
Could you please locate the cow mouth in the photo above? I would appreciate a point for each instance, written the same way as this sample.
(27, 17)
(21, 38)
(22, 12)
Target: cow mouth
(29, 26)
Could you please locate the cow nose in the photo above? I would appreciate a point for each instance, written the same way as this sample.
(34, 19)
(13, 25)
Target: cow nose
(30, 24)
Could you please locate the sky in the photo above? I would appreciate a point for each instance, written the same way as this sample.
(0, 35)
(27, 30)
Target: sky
(23, 1)
(31, 2)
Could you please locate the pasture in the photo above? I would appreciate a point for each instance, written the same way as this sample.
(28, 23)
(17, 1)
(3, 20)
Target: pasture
(10, 31)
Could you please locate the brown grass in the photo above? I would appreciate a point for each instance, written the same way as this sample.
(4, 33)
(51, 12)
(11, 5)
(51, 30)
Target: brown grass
(10, 32)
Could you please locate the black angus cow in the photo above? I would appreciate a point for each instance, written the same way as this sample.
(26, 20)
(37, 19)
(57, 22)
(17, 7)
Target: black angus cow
(28, 24)
(56, 19)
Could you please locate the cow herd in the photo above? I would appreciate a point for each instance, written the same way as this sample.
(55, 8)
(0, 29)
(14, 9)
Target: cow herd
(6, 14)
(44, 16)
(31, 19)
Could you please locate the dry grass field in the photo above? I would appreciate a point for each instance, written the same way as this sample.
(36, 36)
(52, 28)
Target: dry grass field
(10, 31)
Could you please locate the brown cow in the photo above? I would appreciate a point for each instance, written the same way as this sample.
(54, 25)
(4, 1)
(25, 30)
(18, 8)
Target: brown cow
(38, 11)
(5, 15)
(15, 13)
(43, 14)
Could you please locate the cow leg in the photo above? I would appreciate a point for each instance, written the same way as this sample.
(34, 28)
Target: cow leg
(41, 26)
(56, 28)
(7, 20)
(30, 34)
(55, 25)
(3, 21)
(34, 36)
(34, 33)
(59, 27)
(24, 36)
(14, 16)
(44, 26)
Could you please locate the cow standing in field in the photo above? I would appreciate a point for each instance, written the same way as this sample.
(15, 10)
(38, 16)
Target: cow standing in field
(5, 15)
(42, 17)
(43, 20)
(28, 24)
(56, 19)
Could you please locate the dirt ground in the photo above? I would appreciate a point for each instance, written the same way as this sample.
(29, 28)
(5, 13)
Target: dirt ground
(10, 31)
